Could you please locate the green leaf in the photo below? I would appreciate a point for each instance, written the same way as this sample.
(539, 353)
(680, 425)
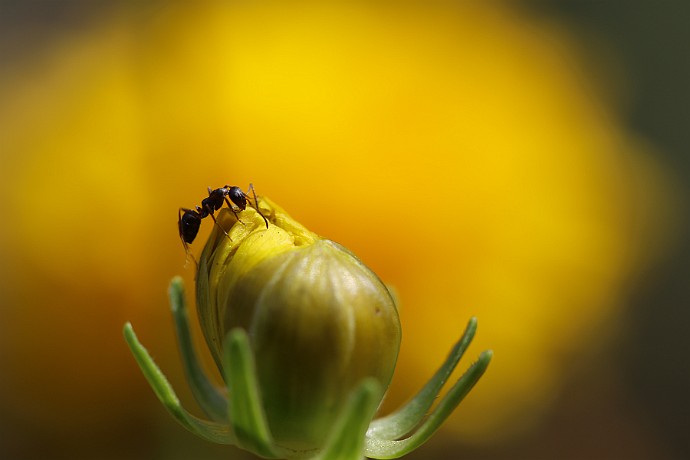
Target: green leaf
(347, 438)
(210, 399)
(383, 448)
(210, 431)
(245, 409)
(403, 421)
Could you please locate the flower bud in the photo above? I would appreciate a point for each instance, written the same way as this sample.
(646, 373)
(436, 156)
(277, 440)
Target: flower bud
(318, 320)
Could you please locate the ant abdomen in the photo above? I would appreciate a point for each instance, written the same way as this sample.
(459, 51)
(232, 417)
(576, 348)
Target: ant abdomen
(189, 221)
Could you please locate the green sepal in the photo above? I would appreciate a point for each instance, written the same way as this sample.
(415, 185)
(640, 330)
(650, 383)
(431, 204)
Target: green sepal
(245, 409)
(384, 448)
(347, 437)
(209, 397)
(405, 419)
(210, 431)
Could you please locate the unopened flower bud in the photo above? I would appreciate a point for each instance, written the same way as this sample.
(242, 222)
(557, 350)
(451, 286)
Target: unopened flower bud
(306, 338)
(318, 320)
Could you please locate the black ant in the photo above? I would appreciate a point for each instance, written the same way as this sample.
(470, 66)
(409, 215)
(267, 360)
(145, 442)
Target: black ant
(189, 220)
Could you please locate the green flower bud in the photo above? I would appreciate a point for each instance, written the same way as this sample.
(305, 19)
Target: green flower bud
(318, 320)
(306, 338)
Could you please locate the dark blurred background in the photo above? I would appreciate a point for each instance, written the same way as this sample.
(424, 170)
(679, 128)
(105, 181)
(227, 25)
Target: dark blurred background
(552, 136)
(650, 41)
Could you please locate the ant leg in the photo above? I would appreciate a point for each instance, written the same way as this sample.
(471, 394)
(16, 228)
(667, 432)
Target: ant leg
(232, 208)
(256, 202)
(208, 210)
(219, 226)
(191, 256)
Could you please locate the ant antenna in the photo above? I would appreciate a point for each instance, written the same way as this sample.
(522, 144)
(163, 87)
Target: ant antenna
(256, 203)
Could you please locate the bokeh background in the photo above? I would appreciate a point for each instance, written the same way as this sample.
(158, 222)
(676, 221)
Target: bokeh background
(522, 161)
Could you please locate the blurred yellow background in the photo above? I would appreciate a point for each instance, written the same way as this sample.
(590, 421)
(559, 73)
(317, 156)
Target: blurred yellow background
(475, 155)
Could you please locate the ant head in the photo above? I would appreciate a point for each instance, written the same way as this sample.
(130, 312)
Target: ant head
(238, 197)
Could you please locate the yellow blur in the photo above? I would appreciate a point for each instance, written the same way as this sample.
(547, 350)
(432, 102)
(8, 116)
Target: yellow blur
(460, 151)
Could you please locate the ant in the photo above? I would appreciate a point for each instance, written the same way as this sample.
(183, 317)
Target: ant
(189, 220)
